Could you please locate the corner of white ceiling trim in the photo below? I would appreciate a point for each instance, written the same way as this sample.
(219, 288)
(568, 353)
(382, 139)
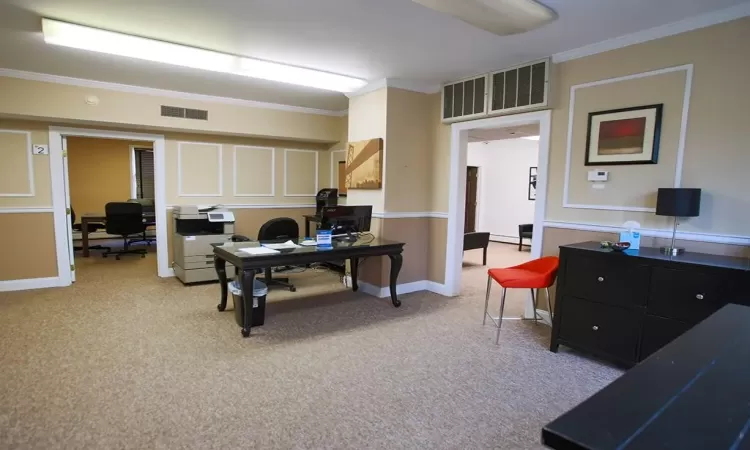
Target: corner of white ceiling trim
(408, 85)
(662, 31)
(132, 89)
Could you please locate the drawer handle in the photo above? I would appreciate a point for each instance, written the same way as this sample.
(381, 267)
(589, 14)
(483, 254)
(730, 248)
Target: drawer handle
(700, 297)
(595, 328)
(600, 279)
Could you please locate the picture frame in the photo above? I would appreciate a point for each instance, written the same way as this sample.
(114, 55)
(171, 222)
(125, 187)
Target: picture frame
(532, 183)
(624, 136)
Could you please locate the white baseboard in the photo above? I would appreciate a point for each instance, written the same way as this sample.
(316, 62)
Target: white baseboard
(406, 288)
(31, 283)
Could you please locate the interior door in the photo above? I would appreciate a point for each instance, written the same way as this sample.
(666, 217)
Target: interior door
(68, 210)
(472, 179)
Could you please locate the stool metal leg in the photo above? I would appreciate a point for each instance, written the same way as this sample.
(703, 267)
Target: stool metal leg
(500, 319)
(549, 305)
(536, 316)
(487, 299)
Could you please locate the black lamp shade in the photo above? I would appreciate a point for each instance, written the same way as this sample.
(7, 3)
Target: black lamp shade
(678, 202)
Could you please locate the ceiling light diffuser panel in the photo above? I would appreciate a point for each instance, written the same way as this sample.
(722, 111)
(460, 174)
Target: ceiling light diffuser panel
(501, 17)
(110, 42)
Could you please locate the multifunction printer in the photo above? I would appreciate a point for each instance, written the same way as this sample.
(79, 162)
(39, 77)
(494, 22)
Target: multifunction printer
(194, 231)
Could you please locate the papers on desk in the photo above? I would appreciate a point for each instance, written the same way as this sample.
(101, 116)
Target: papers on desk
(281, 246)
(258, 250)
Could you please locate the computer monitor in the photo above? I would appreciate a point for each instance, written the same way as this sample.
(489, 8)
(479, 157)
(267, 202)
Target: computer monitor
(347, 219)
(326, 197)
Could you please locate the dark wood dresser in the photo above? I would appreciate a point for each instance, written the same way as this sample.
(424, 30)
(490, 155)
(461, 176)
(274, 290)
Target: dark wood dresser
(624, 306)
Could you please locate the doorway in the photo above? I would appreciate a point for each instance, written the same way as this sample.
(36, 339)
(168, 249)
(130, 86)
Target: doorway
(457, 195)
(61, 194)
(472, 187)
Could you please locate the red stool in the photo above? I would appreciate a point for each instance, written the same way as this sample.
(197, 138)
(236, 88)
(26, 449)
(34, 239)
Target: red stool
(537, 274)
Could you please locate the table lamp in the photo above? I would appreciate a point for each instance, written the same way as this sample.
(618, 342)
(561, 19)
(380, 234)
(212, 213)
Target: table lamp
(677, 202)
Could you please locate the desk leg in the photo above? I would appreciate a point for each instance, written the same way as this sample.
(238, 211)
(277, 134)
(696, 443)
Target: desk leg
(246, 281)
(354, 263)
(221, 270)
(396, 261)
(85, 237)
(307, 227)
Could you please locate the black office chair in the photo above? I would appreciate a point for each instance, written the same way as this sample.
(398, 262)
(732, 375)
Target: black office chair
(148, 208)
(126, 220)
(280, 229)
(95, 226)
(524, 231)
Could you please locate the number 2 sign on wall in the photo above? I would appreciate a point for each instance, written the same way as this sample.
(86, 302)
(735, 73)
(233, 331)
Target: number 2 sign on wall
(40, 149)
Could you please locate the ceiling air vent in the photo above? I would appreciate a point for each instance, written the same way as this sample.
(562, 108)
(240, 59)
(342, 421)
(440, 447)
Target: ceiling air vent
(465, 99)
(184, 113)
(519, 88)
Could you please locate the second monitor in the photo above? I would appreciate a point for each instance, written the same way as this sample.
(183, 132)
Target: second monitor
(346, 219)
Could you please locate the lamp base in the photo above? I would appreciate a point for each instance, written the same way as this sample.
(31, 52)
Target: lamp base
(673, 251)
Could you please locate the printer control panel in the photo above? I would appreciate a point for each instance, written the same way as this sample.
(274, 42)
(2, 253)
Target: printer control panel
(220, 216)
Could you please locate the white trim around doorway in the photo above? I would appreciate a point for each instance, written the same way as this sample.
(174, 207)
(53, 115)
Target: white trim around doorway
(458, 162)
(56, 135)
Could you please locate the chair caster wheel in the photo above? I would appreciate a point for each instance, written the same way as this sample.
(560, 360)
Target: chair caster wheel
(292, 289)
(117, 257)
(143, 256)
(245, 333)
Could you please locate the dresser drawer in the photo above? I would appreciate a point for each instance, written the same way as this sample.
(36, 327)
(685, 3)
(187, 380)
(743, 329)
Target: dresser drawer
(689, 295)
(607, 330)
(614, 279)
(658, 332)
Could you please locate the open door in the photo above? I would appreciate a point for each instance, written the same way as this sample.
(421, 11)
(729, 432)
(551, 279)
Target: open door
(472, 182)
(68, 210)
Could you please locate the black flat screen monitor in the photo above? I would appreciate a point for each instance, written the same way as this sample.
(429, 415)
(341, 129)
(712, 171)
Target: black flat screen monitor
(346, 219)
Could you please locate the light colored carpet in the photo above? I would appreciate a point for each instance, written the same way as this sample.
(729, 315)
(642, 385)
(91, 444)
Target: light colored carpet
(125, 360)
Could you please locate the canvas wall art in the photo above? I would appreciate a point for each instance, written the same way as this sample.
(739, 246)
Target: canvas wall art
(364, 164)
(624, 136)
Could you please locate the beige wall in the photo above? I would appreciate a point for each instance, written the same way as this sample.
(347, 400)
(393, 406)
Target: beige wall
(28, 246)
(367, 120)
(441, 157)
(716, 156)
(408, 173)
(62, 103)
(98, 172)
(202, 171)
(14, 167)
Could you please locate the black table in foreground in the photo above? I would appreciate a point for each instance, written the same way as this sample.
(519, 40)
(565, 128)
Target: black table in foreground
(247, 263)
(692, 394)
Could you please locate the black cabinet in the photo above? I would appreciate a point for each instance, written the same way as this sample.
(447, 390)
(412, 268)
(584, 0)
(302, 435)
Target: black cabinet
(623, 307)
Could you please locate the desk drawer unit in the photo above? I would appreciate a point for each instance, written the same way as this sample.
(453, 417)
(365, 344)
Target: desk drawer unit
(607, 280)
(658, 332)
(606, 330)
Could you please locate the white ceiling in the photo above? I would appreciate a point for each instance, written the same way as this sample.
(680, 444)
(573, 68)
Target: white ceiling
(499, 134)
(371, 39)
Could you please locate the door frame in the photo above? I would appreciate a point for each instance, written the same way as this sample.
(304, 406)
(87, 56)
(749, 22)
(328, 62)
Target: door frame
(457, 193)
(59, 187)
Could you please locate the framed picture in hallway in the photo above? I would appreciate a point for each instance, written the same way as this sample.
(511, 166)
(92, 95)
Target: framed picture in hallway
(624, 136)
(532, 183)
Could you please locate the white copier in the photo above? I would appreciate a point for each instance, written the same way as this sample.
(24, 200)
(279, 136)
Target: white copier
(194, 231)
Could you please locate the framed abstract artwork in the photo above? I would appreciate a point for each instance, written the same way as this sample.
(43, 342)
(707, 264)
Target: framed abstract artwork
(532, 183)
(624, 136)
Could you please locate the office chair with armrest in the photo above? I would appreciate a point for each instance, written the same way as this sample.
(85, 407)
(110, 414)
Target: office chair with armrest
(282, 228)
(126, 220)
(148, 208)
(92, 227)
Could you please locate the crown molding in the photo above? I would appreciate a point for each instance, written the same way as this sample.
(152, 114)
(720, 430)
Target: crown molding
(408, 85)
(81, 82)
(671, 29)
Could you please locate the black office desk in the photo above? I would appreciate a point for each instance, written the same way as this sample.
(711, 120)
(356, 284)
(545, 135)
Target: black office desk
(692, 394)
(247, 263)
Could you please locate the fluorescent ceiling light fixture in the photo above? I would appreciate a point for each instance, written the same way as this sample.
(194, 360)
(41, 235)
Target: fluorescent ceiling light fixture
(531, 138)
(96, 40)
